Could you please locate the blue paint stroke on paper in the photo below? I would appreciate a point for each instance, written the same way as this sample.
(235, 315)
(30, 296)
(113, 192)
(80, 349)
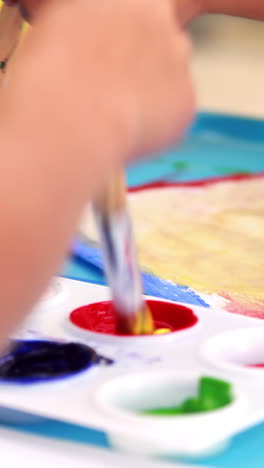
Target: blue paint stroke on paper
(153, 286)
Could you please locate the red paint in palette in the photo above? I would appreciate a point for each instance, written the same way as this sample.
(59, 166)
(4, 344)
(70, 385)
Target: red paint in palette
(101, 318)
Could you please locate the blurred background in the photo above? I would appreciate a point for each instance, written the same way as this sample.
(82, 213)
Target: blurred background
(228, 64)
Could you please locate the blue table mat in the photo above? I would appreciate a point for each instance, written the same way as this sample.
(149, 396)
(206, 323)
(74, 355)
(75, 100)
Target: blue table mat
(246, 449)
(216, 146)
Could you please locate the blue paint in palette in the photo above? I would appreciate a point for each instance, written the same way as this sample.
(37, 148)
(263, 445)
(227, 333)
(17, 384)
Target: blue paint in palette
(153, 286)
(30, 362)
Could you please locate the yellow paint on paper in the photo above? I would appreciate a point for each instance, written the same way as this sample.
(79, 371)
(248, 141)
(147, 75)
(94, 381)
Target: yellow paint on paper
(210, 238)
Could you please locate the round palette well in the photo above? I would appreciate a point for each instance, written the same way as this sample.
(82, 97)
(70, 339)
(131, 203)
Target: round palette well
(158, 389)
(126, 397)
(38, 361)
(238, 351)
(100, 318)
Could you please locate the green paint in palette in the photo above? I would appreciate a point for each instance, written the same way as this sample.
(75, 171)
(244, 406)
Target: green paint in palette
(213, 394)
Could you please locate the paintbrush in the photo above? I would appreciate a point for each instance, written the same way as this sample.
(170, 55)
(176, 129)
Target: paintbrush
(11, 23)
(120, 260)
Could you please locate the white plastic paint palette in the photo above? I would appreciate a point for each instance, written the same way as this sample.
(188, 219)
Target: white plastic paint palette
(148, 372)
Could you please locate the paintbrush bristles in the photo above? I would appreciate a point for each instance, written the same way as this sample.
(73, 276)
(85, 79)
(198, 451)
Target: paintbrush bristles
(144, 325)
(113, 197)
(140, 323)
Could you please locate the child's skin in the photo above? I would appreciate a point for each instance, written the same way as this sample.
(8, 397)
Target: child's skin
(93, 85)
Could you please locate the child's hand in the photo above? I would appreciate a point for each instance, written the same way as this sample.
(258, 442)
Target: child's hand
(119, 64)
(94, 84)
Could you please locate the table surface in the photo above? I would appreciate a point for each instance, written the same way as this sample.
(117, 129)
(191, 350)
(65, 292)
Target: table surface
(19, 450)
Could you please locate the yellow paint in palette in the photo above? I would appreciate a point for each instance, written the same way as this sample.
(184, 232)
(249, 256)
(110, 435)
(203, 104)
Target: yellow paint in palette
(161, 331)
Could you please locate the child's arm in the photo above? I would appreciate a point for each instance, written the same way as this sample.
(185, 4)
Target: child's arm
(247, 8)
(94, 84)
(189, 9)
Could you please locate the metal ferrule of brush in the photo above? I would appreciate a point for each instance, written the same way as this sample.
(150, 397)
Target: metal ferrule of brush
(121, 268)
